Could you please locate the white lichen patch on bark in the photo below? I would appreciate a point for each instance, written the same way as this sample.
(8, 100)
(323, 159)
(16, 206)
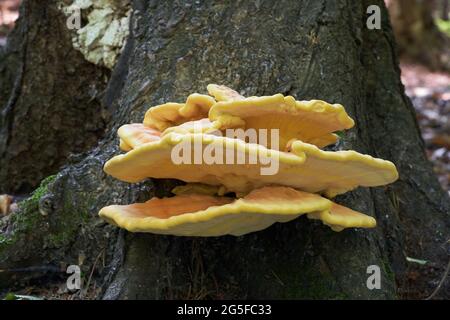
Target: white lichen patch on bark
(106, 26)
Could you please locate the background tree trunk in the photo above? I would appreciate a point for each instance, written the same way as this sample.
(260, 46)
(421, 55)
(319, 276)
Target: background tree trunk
(417, 35)
(308, 49)
(49, 99)
(445, 10)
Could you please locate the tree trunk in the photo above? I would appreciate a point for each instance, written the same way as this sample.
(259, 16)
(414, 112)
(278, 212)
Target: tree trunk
(309, 49)
(417, 35)
(445, 10)
(49, 98)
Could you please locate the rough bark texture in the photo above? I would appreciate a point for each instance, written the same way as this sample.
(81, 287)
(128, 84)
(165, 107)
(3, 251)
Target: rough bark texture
(417, 35)
(309, 49)
(49, 99)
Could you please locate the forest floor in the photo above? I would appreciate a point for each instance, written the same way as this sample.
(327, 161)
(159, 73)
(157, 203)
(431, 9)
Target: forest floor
(430, 94)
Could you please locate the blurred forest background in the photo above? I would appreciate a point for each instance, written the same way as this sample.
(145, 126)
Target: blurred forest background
(422, 30)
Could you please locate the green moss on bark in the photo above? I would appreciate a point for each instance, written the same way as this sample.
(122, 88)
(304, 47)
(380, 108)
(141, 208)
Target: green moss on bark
(28, 216)
(35, 225)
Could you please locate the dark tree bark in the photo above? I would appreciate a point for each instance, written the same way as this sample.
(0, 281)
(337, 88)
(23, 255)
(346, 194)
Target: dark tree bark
(417, 35)
(309, 49)
(49, 99)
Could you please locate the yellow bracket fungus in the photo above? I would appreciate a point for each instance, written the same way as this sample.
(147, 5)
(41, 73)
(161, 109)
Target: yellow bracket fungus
(172, 114)
(339, 217)
(272, 181)
(197, 126)
(135, 134)
(223, 93)
(205, 215)
(309, 121)
(242, 167)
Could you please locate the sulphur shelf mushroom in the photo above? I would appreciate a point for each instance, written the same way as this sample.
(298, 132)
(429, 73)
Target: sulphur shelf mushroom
(207, 216)
(236, 186)
(318, 119)
(309, 121)
(241, 167)
(223, 93)
(135, 134)
(171, 114)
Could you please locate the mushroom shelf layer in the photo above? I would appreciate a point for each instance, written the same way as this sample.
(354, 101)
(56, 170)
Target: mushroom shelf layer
(309, 121)
(172, 114)
(136, 134)
(204, 215)
(306, 168)
(223, 93)
(197, 126)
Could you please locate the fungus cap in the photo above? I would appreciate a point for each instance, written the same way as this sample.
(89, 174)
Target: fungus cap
(309, 121)
(223, 93)
(197, 126)
(136, 134)
(204, 215)
(207, 160)
(197, 106)
(172, 114)
(339, 217)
